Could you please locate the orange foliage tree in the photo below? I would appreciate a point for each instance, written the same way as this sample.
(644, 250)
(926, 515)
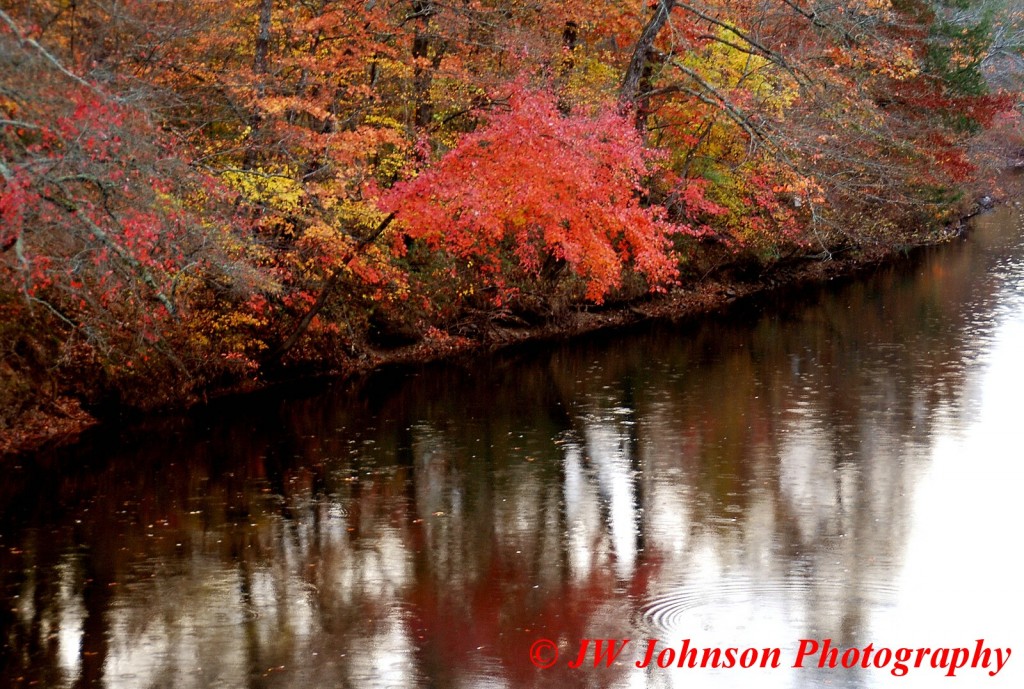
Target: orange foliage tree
(534, 191)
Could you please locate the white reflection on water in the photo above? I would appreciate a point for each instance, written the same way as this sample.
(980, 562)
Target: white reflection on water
(609, 452)
(149, 645)
(387, 659)
(808, 484)
(71, 618)
(600, 501)
(962, 577)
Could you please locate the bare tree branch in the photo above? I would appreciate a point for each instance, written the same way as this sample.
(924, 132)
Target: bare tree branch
(32, 43)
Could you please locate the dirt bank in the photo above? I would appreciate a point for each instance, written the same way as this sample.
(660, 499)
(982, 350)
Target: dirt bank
(60, 419)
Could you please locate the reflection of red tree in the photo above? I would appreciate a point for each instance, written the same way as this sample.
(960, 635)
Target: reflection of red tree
(499, 614)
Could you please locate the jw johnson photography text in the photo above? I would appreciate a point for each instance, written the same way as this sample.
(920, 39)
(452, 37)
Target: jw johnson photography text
(823, 653)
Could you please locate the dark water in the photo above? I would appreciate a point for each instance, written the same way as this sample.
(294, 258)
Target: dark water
(844, 464)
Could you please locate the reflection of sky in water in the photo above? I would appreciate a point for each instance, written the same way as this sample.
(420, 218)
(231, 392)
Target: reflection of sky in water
(963, 573)
(959, 572)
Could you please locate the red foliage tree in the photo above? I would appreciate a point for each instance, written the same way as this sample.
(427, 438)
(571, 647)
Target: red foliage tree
(534, 188)
(113, 252)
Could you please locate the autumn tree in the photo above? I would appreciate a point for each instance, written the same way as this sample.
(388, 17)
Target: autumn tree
(847, 122)
(112, 249)
(535, 198)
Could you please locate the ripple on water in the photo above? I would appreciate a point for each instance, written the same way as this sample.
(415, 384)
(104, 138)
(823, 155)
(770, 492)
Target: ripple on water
(678, 609)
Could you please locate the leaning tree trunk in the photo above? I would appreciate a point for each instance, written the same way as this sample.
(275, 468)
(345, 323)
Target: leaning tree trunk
(631, 95)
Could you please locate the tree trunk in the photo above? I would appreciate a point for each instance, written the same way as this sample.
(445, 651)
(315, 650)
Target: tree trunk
(263, 37)
(631, 97)
(325, 291)
(259, 68)
(423, 73)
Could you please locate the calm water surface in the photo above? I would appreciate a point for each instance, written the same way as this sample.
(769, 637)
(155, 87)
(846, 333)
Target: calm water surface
(843, 464)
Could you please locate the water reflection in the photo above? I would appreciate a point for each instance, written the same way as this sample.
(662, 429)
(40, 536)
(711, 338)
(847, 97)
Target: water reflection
(839, 464)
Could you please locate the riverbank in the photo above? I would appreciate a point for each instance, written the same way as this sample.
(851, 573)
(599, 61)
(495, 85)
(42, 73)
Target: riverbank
(59, 419)
(169, 236)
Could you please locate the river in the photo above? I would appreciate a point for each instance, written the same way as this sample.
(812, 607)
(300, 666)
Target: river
(840, 463)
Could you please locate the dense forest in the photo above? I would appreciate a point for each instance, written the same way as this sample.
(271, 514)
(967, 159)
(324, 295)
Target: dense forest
(201, 196)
